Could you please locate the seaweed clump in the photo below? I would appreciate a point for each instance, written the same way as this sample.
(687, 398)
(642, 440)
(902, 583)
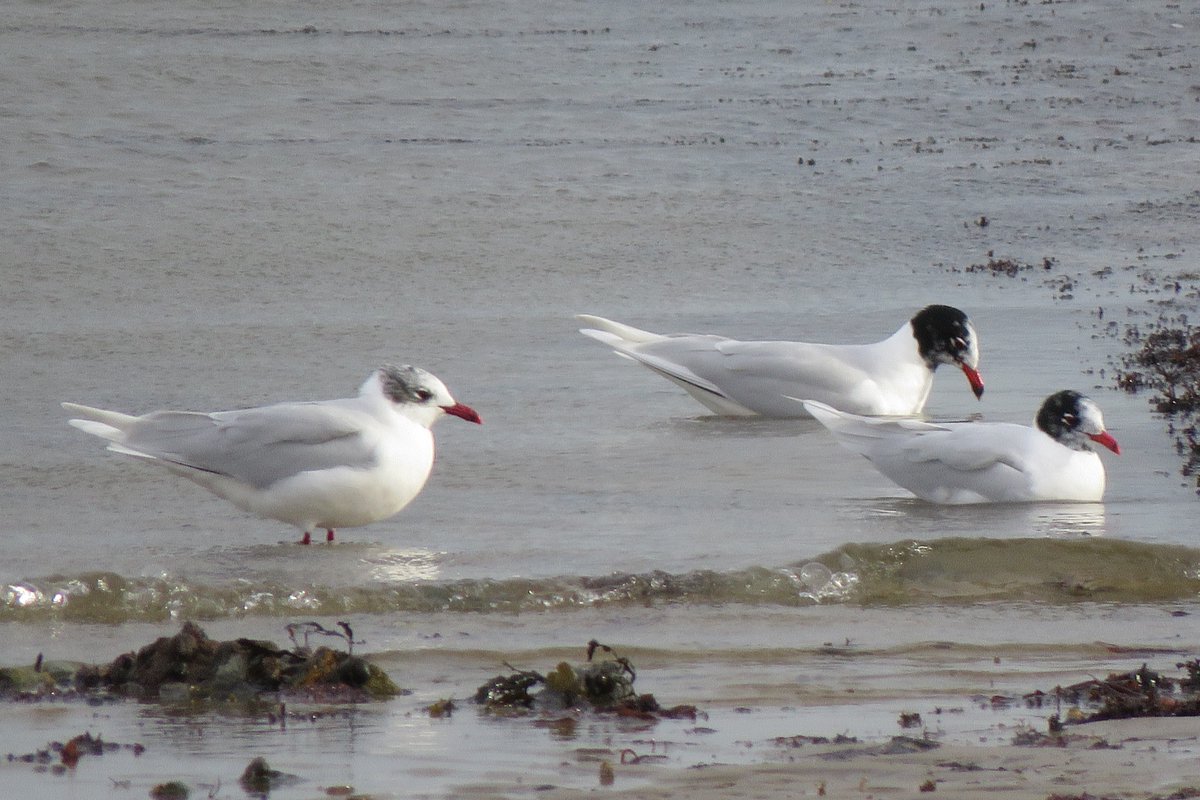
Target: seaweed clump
(1139, 693)
(1167, 362)
(58, 757)
(604, 686)
(1008, 267)
(1000, 266)
(190, 665)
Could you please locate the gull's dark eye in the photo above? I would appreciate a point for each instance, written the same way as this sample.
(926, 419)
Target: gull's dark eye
(1070, 420)
(423, 395)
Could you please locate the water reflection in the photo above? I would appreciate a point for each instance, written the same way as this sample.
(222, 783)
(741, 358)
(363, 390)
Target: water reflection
(1071, 519)
(910, 516)
(404, 566)
(711, 426)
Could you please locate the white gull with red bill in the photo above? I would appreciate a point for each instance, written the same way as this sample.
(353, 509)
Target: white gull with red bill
(985, 462)
(892, 377)
(320, 464)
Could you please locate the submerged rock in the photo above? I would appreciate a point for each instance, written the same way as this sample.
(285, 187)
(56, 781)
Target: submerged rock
(258, 779)
(171, 790)
(25, 681)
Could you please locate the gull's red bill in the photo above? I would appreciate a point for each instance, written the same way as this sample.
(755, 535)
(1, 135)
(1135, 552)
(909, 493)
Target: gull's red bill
(974, 379)
(463, 412)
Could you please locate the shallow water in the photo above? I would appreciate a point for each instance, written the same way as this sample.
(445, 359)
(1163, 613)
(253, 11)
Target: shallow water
(758, 678)
(213, 206)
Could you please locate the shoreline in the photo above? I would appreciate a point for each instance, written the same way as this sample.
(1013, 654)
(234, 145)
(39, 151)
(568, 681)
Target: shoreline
(767, 696)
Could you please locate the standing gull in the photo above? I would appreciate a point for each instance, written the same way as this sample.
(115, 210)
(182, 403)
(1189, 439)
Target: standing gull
(321, 464)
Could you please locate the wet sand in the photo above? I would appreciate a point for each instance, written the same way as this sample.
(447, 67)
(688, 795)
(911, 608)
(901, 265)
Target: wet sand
(1142, 758)
(764, 695)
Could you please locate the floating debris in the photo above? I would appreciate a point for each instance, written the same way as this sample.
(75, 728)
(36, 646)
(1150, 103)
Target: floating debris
(65, 755)
(801, 741)
(1000, 266)
(631, 756)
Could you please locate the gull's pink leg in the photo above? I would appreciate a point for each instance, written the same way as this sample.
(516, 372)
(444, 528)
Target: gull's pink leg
(307, 539)
(329, 534)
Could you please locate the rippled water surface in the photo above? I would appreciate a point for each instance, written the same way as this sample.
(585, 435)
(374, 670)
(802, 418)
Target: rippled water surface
(219, 205)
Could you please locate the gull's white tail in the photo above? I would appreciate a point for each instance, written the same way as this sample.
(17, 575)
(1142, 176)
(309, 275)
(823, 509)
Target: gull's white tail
(109, 425)
(615, 333)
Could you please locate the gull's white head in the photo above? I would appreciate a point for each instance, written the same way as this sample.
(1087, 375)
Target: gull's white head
(416, 394)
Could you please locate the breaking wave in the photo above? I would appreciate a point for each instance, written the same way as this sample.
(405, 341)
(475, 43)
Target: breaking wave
(941, 571)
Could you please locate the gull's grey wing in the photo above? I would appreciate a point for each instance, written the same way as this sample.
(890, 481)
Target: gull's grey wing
(940, 462)
(868, 436)
(977, 462)
(797, 368)
(974, 446)
(761, 375)
(257, 446)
